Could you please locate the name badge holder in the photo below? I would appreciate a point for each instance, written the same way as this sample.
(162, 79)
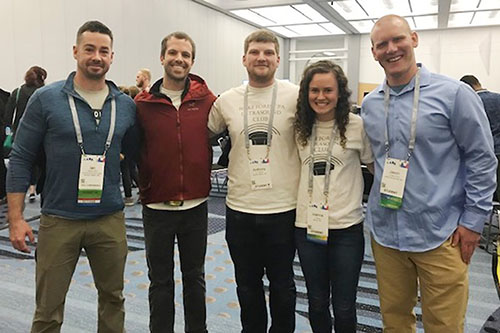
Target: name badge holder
(260, 168)
(91, 175)
(317, 213)
(393, 181)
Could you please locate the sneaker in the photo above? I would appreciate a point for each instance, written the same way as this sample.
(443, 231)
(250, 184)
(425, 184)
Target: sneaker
(32, 197)
(129, 201)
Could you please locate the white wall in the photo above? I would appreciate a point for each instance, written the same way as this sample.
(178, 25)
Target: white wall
(42, 32)
(349, 65)
(453, 52)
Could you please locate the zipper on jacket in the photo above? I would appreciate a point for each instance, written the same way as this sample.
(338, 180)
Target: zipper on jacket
(181, 166)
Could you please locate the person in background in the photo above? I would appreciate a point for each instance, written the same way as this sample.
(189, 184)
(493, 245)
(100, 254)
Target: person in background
(124, 167)
(329, 226)
(263, 178)
(14, 110)
(491, 102)
(4, 96)
(143, 79)
(434, 180)
(133, 91)
(174, 184)
(81, 123)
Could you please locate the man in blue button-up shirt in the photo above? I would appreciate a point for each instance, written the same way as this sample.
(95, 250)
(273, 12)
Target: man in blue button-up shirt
(430, 239)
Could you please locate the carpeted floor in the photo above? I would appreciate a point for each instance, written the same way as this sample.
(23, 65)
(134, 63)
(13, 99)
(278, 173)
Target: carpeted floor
(17, 286)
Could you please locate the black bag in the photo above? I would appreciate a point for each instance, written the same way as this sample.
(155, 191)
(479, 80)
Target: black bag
(225, 145)
(9, 130)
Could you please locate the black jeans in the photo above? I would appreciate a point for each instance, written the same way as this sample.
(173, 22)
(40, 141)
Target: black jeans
(160, 229)
(258, 244)
(332, 269)
(126, 181)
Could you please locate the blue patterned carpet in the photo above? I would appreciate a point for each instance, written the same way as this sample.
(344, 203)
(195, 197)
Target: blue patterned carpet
(17, 286)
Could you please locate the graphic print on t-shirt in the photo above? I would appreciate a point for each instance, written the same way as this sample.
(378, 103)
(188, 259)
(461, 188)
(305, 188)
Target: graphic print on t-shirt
(319, 167)
(258, 122)
(320, 156)
(257, 133)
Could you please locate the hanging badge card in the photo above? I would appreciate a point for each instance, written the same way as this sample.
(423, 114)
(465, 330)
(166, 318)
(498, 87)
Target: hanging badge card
(393, 182)
(317, 223)
(260, 174)
(91, 180)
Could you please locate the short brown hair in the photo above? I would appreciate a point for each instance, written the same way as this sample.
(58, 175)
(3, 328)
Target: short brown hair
(94, 26)
(262, 36)
(178, 35)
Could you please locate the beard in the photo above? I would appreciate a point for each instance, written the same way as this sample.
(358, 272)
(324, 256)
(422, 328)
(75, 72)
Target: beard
(175, 77)
(94, 75)
(261, 78)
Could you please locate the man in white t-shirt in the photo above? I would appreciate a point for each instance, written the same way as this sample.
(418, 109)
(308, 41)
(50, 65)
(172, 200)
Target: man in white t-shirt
(263, 178)
(174, 181)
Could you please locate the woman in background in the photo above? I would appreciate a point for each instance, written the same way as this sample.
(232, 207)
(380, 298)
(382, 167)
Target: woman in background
(329, 230)
(14, 110)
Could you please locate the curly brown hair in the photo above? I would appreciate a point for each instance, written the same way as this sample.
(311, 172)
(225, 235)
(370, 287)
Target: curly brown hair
(305, 115)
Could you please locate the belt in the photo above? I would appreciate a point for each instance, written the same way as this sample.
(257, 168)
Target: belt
(174, 203)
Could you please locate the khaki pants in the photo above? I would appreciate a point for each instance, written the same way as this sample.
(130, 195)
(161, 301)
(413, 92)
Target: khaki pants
(443, 280)
(59, 244)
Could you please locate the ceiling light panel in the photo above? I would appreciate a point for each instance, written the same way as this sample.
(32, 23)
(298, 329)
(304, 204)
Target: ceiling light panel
(332, 28)
(422, 7)
(364, 26)
(252, 17)
(491, 17)
(283, 15)
(310, 12)
(460, 19)
(284, 31)
(470, 5)
(349, 9)
(307, 30)
(489, 4)
(379, 8)
(426, 22)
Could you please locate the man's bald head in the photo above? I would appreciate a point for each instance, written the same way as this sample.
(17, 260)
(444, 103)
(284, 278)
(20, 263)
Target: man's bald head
(390, 19)
(393, 45)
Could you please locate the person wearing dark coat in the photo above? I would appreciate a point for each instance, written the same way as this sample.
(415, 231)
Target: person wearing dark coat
(14, 110)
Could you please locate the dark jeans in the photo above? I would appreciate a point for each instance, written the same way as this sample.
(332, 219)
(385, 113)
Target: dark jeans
(160, 229)
(126, 181)
(333, 268)
(3, 175)
(497, 192)
(258, 244)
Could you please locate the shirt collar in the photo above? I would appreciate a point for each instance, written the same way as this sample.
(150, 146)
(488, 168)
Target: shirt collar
(425, 79)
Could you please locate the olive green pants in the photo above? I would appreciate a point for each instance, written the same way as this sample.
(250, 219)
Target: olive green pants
(60, 242)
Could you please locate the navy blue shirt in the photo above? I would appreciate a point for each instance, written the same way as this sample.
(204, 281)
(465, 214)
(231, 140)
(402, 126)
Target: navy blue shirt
(491, 102)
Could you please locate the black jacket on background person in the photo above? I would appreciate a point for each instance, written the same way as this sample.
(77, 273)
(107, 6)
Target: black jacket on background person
(24, 96)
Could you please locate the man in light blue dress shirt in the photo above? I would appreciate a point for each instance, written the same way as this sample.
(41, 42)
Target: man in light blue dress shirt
(427, 209)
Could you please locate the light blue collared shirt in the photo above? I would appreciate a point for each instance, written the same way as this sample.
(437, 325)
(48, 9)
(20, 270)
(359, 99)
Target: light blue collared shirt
(452, 173)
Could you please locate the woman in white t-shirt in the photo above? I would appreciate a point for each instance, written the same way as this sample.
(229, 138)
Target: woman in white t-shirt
(329, 230)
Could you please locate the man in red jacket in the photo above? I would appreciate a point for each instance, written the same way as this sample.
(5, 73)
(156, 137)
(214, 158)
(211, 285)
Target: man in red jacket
(174, 177)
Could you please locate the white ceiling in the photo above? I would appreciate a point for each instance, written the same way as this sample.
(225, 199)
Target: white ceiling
(295, 18)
